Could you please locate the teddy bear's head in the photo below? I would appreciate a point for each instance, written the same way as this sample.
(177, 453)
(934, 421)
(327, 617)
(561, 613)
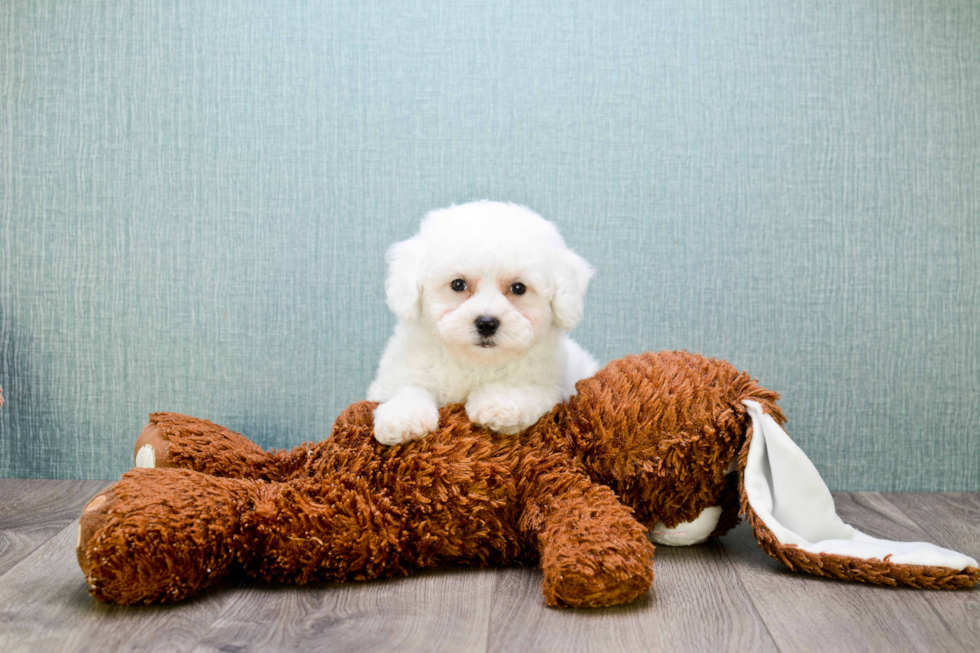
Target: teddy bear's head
(664, 430)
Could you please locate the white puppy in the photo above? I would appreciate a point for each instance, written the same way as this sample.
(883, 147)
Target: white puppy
(484, 294)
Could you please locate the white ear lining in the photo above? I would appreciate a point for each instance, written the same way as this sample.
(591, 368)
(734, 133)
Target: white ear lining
(787, 493)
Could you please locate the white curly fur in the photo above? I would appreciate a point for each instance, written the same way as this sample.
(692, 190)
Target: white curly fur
(436, 356)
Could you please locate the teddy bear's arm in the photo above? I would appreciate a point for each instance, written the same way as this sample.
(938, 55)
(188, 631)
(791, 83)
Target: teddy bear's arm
(173, 440)
(593, 552)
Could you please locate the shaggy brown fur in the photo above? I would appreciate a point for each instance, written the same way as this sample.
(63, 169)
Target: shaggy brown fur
(646, 439)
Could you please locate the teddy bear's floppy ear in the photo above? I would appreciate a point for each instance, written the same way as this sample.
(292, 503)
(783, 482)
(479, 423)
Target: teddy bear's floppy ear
(794, 519)
(572, 274)
(403, 286)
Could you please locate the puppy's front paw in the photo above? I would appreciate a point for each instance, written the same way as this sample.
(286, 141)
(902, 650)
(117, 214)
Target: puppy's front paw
(397, 421)
(501, 412)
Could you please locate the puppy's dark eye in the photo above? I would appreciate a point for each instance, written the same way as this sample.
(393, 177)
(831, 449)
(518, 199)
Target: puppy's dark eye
(458, 285)
(518, 288)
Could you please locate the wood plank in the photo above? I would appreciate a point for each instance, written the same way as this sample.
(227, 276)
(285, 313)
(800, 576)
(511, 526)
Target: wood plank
(45, 606)
(694, 582)
(806, 613)
(696, 604)
(439, 610)
(951, 520)
(32, 511)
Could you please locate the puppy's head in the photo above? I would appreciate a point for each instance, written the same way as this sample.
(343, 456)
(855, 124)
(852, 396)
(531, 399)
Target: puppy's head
(489, 279)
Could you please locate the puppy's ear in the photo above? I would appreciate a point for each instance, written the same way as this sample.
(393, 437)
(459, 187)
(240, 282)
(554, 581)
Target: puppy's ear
(403, 288)
(572, 274)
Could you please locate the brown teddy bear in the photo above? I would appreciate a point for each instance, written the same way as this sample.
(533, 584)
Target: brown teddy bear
(654, 446)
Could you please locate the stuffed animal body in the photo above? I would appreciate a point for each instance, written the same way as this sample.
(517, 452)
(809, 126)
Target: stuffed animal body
(648, 447)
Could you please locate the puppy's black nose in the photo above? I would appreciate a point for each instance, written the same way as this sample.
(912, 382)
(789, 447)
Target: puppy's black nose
(487, 325)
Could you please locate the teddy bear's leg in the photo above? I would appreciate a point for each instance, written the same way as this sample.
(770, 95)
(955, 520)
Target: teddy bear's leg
(314, 529)
(593, 552)
(173, 440)
(159, 535)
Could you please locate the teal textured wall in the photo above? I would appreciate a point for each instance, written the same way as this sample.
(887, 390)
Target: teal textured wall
(195, 198)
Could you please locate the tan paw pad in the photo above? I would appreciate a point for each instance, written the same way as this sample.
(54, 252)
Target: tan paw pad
(146, 456)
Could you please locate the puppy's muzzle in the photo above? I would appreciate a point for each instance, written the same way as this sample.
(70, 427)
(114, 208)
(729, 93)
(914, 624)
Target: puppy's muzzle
(486, 325)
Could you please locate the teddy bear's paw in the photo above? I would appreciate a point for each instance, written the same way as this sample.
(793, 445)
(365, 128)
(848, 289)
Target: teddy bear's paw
(145, 457)
(687, 533)
(593, 552)
(159, 535)
(151, 449)
(398, 422)
(94, 516)
(592, 585)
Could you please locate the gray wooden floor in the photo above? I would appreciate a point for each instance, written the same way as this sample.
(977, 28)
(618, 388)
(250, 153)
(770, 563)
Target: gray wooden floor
(725, 595)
